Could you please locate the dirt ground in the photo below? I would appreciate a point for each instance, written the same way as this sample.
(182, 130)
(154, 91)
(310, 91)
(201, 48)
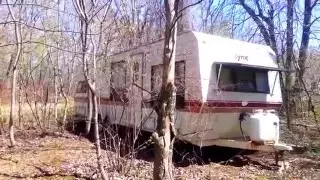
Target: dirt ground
(73, 157)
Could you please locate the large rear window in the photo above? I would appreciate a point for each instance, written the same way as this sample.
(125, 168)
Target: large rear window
(242, 79)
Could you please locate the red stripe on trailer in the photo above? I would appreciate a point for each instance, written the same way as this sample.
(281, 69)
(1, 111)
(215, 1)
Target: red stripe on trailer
(220, 103)
(206, 107)
(228, 106)
(101, 100)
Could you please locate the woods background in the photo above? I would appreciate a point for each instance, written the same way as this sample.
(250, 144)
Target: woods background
(44, 45)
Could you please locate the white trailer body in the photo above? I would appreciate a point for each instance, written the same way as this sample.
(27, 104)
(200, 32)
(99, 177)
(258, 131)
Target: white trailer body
(228, 91)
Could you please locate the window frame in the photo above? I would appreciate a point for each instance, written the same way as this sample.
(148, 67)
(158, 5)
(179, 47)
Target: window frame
(119, 93)
(233, 69)
(82, 85)
(152, 77)
(180, 104)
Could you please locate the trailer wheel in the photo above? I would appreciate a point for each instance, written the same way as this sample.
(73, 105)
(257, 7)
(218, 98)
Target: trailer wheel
(126, 143)
(279, 155)
(118, 139)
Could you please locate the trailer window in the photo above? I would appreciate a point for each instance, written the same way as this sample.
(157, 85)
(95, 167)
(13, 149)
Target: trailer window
(82, 87)
(179, 82)
(156, 82)
(243, 79)
(156, 79)
(119, 81)
(136, 72)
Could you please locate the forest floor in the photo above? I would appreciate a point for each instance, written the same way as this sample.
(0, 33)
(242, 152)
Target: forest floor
(73, 157)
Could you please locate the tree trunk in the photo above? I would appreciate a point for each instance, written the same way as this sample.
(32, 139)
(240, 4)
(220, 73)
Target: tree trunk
(90, 77)
(12, 107)
(89, 116)
(165, 134)
(96, 134)
(303, 50)
(288, 64)
(65, 110)
(55, 95)
(183, 24)
(19, 106)
(13, 69)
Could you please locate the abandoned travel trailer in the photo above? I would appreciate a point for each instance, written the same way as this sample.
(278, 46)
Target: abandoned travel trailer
(228, 91)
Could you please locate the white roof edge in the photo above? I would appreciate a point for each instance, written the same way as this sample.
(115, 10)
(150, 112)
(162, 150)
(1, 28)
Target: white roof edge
(201, 34)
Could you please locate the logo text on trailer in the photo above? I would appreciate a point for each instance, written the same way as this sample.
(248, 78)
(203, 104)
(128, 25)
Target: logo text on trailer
(241, 58)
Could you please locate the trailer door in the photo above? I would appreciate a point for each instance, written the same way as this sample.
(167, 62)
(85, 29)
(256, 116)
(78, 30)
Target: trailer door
(137, 89)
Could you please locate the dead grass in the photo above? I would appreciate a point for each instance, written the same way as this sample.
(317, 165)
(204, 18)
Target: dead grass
(71, 157)
(28, 114)
(49, 154)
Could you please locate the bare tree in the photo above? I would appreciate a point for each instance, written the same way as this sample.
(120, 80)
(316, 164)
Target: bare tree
(14, 71)
(289, 59)
(300, 85)
(306, 31)
(266, 26)
(211, 17)
(265, 19)
(164, 137)
(90, 73)
(166, 103)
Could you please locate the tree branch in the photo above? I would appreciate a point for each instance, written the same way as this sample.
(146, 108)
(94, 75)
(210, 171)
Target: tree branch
(259, 23)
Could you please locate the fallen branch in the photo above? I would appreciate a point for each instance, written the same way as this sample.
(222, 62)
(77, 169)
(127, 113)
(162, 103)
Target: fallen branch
(21, 176)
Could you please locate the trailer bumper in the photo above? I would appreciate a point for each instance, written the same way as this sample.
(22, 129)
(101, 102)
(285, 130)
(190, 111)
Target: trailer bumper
(241, 144)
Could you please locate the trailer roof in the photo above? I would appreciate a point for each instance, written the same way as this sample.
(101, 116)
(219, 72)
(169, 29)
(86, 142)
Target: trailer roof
(199, 36)
(146, 44)
(211, 37)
